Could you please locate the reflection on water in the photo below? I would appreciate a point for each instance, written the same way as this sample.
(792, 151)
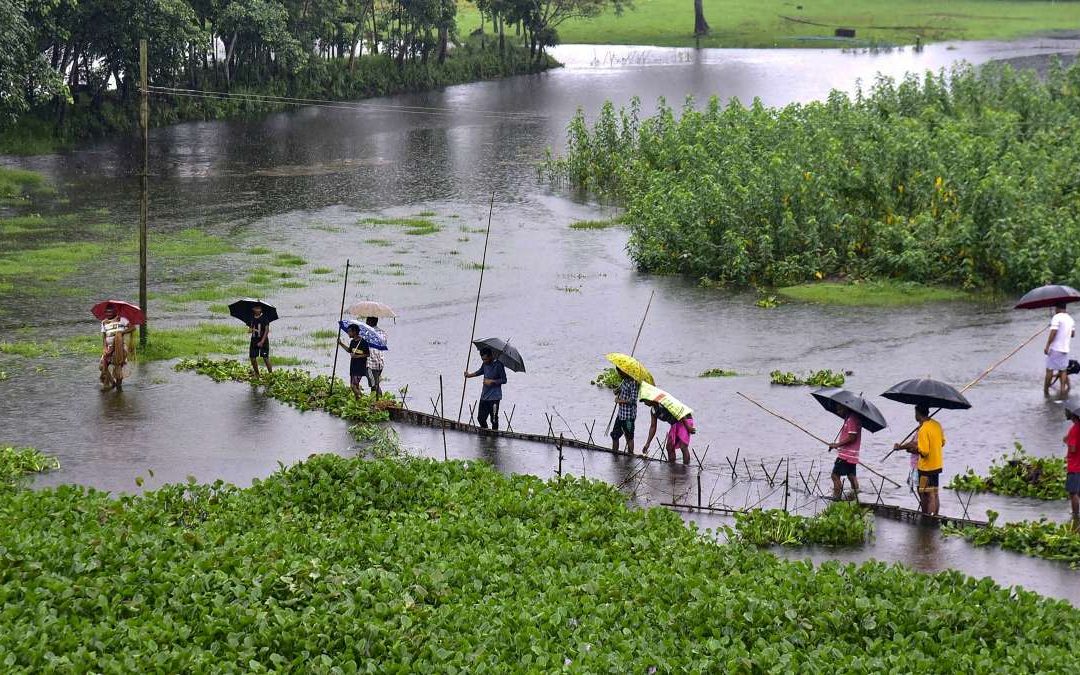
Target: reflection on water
(302, 181)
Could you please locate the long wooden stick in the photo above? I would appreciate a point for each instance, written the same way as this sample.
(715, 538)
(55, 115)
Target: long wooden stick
(810, 434)
(476, 309)
(341, 315)
(974, 382)
(632, 350)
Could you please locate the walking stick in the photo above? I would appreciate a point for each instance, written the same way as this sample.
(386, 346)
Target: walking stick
(476, 309)
(971, 384)
(632, 350)
(810, 434)
(341, 315)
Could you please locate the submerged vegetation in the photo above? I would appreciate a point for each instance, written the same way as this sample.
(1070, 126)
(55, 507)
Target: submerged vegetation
(303, 391)
(750, 195)
(717, 372)
(1041, 539)
(816, 378)
(1020, 475)
(339, 564)
(839, 524)
(870, 293)
(15, 463)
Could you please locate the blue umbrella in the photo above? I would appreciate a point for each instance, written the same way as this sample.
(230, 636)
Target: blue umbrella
(367, 333)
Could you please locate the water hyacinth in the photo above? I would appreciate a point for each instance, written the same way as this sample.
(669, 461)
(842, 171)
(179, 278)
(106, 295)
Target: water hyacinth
(411, 565)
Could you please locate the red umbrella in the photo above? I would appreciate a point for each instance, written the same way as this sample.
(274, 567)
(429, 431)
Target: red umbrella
(1048, 296)
(125, 310)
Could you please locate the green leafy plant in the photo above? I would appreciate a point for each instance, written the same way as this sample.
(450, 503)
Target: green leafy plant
(16, 462)
(346, 564)
(717, 372)
(1019, 474)
(816, 378)
(608, 378)
(768, 302)
(840, 524)
(748, 195)
(1041, 539)
(303, 391)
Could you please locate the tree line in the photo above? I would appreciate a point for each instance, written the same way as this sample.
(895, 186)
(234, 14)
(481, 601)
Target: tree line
(54, 50)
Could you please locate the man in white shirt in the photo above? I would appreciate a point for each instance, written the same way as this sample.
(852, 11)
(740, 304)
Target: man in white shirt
(113, 349)
(1062, 329)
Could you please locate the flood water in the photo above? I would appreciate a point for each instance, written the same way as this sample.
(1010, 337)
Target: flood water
(301, 181)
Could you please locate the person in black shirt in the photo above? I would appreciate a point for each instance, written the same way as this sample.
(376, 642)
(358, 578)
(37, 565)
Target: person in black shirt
(358, 352)
(260, 340)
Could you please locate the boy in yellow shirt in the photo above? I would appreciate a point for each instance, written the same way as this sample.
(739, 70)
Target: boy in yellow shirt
(927, 445)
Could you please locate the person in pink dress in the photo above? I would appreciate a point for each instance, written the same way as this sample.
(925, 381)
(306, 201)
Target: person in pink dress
(847, 446)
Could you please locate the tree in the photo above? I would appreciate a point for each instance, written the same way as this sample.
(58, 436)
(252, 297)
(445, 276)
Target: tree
(701, 27)
(26, 77)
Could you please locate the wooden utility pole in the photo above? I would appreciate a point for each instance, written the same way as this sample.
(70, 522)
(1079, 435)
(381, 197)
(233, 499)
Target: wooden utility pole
(144, 197)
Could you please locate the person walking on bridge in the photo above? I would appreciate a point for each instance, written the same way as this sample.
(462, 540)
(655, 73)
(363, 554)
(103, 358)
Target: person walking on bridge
(626, 398)
(928, 445)
(491, 395)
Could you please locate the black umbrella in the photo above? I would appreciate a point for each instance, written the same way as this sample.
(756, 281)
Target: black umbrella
(505, 353)
(872, 419)
(1048, 296)
(927, 392)
(241, 309)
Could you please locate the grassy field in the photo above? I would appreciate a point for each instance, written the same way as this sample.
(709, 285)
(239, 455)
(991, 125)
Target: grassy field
(787, 23)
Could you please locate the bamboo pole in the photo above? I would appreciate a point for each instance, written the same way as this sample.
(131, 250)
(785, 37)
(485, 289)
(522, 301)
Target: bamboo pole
(971, 384)
(476, 309)
(632, 350)
(144, 192)
(810, 434)
(337, 333)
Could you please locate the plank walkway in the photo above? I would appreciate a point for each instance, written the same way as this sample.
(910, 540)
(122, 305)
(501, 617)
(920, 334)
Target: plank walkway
(417, 418)
(885, 510)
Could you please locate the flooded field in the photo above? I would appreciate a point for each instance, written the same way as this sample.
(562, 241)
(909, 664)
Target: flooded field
(327, 184)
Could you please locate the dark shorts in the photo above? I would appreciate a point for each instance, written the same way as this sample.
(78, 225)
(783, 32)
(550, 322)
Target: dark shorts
(928, 480)
(374, 377)
(623, 428)
(1072, 483)
(255, 351)
(842, 467)
(356, 380)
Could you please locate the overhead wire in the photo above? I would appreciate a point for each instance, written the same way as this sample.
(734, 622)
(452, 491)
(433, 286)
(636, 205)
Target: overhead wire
(343, 105)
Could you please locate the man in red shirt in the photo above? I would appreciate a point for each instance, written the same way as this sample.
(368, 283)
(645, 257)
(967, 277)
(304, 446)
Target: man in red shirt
(1072, 458)
(847, 452)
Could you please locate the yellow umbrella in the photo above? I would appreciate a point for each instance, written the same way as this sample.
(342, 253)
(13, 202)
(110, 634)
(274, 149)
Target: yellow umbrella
(630, 366)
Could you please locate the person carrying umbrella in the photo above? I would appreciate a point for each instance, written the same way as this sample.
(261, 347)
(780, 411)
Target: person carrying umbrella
(847, 446)
(858, 414)
(113, 351)
(491, 395)
(1062, 330)
(667, 408)
(626, 398)
(259, 328)
(375, 358)
(927, 446)
(358, 358)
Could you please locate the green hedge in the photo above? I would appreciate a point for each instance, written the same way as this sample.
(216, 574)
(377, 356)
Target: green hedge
(965, 179)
